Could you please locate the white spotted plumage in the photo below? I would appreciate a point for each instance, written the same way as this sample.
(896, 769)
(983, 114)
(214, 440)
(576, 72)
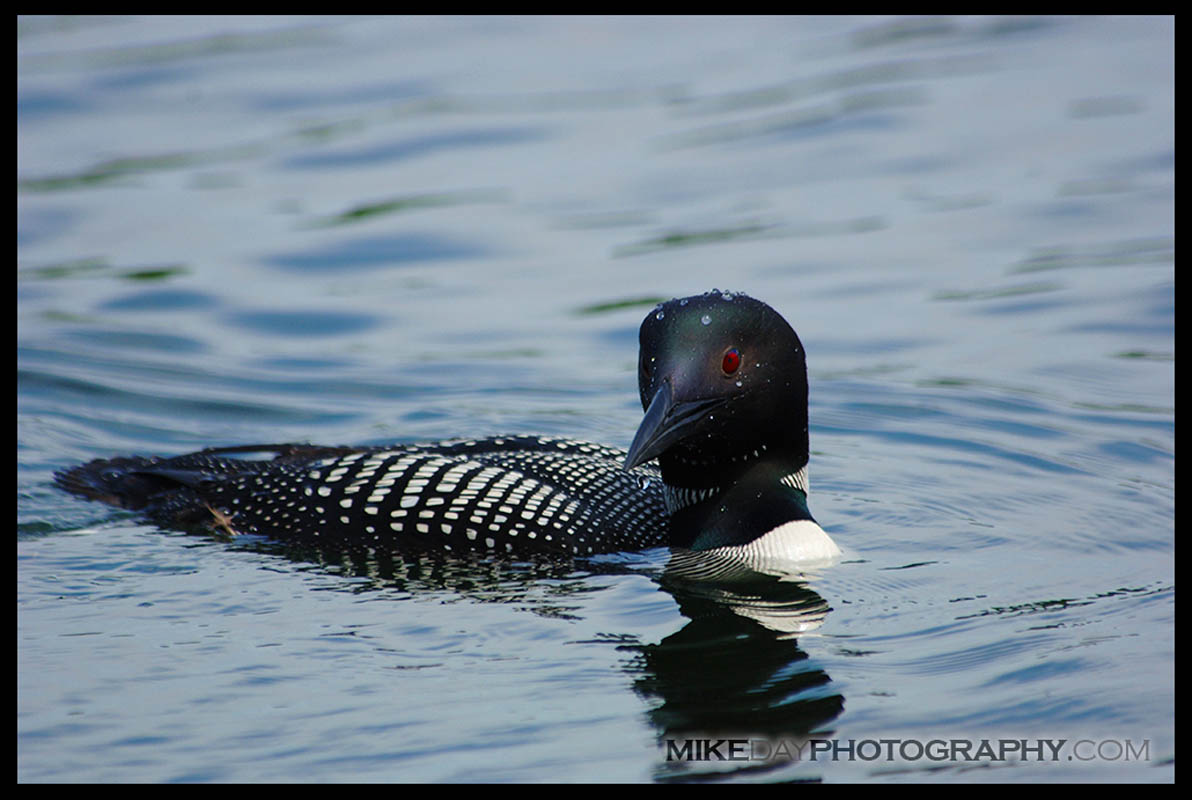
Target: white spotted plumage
(549, 493)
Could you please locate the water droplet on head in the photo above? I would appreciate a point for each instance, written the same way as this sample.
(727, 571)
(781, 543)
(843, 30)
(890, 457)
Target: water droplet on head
(739, 383)
(705, 319)
(726, 296)
(659, 315)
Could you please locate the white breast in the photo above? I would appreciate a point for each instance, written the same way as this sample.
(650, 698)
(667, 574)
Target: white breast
(801, 541)
(791, 551)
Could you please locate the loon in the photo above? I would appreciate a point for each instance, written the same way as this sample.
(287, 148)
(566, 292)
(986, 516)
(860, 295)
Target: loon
(723, 382)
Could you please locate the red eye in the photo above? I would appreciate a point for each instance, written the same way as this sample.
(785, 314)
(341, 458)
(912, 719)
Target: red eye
(732, 360)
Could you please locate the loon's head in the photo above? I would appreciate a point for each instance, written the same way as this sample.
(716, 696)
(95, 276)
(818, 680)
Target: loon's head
(723, 381)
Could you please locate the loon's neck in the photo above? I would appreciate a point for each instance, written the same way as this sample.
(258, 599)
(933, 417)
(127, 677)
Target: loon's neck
(679, 497)
(757, 501)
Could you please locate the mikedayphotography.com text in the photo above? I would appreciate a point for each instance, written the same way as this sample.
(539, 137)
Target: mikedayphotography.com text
(761, 749)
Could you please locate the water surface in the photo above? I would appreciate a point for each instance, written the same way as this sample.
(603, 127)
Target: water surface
(233, 231)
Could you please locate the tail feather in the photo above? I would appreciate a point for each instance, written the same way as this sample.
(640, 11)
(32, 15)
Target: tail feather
(123, 482)
(173, 488)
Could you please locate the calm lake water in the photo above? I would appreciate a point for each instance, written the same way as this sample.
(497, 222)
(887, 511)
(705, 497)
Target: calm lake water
(368, 230)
